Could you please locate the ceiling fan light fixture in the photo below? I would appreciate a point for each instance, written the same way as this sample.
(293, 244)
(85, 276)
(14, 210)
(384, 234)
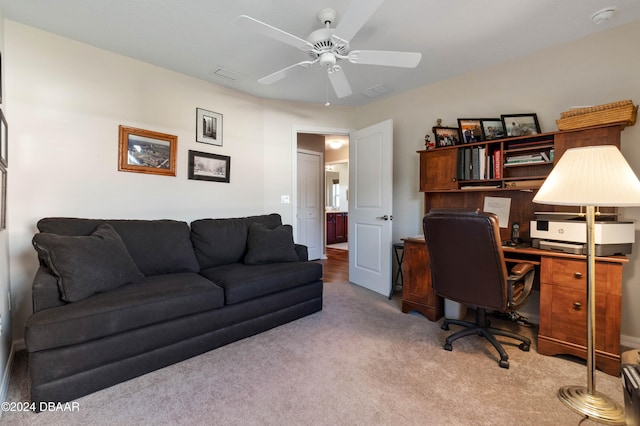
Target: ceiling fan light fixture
(603, 15)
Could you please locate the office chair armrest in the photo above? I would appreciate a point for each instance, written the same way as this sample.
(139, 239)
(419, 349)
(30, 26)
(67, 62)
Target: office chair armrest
(520, 283)
(521, 268)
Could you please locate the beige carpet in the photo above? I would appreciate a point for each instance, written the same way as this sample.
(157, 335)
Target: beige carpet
(358, 362)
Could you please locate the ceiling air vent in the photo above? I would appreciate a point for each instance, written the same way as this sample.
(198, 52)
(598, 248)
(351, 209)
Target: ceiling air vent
(376, 91)
(227, 74)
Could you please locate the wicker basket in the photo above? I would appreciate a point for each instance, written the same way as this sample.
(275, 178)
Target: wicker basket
(615, 112)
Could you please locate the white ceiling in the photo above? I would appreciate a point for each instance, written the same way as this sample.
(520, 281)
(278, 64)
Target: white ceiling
(195, 37)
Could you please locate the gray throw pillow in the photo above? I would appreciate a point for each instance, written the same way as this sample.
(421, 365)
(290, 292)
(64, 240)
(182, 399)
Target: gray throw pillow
(266, 245)
(85, 265)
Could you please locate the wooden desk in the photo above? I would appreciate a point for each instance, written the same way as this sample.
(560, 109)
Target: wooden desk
(563, 300)
(417, 292)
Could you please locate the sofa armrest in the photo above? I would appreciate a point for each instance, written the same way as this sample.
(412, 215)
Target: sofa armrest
(303, 252)
(44, 291)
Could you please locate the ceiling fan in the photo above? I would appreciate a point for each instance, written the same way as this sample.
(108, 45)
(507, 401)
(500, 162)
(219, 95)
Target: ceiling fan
(329, 45)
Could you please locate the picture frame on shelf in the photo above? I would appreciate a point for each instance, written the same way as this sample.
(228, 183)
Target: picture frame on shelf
(4, 141)
(208, 127)
(211, 167)
(492, 129)
(446, 136)
(3, 198)
(520, 124)
(146, 151)
(470, 130)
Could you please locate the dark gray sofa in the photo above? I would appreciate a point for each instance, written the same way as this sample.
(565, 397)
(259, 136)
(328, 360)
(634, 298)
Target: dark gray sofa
(115, 299)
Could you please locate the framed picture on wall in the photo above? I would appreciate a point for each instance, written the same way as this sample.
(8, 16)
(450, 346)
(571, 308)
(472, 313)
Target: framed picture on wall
(144, 151)
(211, 167)
(4, 141)
(3, 198)
(208, 127)
(520, 124)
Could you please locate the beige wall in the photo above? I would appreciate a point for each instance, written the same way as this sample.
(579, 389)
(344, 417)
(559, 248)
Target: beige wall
(65, 101)
(591, 71)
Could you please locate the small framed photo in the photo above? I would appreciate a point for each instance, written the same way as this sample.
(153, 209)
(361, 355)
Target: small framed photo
(3, 198)
(446, 136)
(492, 128)
(212, 167)
(208, 127)
(470, 129)
(4, 141)
(520, 124)
(144, 151)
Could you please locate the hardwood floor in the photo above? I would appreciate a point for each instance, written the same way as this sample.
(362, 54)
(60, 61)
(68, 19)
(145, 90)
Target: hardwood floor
(335, 268)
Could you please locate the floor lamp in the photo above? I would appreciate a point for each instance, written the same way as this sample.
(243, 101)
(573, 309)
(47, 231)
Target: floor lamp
(594, 176)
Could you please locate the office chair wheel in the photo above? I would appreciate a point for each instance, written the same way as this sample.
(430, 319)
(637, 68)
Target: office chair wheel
(444, 326)
(448, 347)
(504, 363)
(524, 347)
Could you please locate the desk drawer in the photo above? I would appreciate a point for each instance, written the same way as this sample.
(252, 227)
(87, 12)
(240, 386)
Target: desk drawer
(567, 319)
(573, 274)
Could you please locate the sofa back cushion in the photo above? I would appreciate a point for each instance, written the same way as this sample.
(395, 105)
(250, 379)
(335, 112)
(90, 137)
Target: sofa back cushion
(224, 241)
(85, 265)
(156, 246)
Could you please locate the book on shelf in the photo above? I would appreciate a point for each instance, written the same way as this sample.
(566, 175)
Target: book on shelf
(475, 163)
(524, 158)
(467, 164)
(497, 164)
(483, 187)
(460, 169)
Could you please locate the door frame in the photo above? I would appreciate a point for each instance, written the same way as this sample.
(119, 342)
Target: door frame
(321, 201)
(295, 129)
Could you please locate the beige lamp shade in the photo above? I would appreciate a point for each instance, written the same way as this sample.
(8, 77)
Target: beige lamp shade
(591, 176)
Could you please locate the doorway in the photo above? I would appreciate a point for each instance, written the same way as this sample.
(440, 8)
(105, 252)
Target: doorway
(333, 186)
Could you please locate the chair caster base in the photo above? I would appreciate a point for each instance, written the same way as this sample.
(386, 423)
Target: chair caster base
(444, 326)
(524, 347)
(448, 347)
(504, 363)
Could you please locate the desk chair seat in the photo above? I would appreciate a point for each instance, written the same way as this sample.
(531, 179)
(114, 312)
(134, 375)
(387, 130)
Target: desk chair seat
(467, 266)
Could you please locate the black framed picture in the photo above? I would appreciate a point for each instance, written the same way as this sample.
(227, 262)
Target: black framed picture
(470, 129)
(211, 167)
(492, 128)
(4, 141)
(446, 136)
(520, 124)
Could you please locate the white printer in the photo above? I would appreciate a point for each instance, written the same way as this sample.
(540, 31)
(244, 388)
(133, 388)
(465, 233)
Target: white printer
(567, 232)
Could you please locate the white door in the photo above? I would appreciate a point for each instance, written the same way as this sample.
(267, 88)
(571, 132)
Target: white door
(370, 204)
(309, 214)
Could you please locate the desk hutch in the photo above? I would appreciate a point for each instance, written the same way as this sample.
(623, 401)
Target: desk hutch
(562, 277)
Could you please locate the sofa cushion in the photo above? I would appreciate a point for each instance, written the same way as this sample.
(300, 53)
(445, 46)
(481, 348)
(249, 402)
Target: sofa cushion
(149, 301)
(244, 282)
(266, 245)
(85, 265)
(157, 246)
(224, 241)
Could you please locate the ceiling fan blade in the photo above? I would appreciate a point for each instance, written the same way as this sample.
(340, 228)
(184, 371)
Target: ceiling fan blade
(260, 27)
(279, 75)
(339, 81)
(358, 12)
(387, 58)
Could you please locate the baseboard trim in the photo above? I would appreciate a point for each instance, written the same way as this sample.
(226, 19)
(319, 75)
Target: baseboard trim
(6, 376)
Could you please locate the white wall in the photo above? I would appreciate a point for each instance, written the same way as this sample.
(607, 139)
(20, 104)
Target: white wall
(5, 288)
(66, 102)
(595, 70)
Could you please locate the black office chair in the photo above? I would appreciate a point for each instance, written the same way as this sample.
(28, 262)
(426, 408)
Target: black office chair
(468, 266)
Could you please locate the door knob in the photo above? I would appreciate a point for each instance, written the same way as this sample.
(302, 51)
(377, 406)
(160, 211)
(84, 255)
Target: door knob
(385, 217)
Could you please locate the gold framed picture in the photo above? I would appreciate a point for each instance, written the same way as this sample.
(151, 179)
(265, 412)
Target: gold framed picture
(145, 151)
